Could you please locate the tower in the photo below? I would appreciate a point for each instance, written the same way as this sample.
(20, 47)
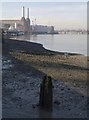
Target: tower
(23, 12)
(23, 21)
(27, 12)
(28, 22)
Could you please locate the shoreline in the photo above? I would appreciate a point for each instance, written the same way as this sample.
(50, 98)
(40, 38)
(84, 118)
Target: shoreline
(25, 64)
(47, 50)
(58, 44)
(70, 66)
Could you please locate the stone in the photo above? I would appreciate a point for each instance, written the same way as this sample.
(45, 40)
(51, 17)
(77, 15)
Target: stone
(56, 102)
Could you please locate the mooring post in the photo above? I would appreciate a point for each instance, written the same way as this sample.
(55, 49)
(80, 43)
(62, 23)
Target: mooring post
(46, 93)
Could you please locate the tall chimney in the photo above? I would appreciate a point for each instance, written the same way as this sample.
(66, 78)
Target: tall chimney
(23, 11)
(27, 12)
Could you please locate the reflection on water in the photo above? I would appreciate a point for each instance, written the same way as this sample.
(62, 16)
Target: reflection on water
(24, 37)
(74, 43)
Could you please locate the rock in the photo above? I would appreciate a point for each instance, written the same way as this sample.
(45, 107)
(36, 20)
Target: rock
(38, 105)
(82, 96)
(57, 102)
(33, 106)
(27, 89)
(68, 88)
(19, 97)
(20, 105)
(62, 89)
(69, 109)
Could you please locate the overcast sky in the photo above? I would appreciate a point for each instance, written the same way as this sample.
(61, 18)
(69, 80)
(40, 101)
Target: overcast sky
(44, 0)
(69, 15)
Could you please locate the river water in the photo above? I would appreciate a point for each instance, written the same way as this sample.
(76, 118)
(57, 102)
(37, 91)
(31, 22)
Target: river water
(73, 43)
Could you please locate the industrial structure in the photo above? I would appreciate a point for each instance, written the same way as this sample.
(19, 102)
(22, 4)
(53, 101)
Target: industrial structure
(24, 25)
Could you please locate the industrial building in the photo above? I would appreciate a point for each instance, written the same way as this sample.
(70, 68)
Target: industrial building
(24, 25)
(19, 25)
(7, 23)
(41, 29)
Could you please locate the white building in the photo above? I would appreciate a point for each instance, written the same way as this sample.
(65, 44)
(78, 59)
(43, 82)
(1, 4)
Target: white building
(42, 29)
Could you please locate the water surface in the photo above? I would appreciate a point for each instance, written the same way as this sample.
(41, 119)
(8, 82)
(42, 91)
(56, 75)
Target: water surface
(73, 43)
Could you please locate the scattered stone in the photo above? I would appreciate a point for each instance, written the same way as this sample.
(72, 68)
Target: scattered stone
(60, 96)
(44, 65)
(19, 97)
(62, 89)
(20, 105)
(69, 109)
(27, 89)
(33, 106)
(32, 83)
(68, 88)
(57, 102)
(70, 74)
(38, 105)
(82, 96)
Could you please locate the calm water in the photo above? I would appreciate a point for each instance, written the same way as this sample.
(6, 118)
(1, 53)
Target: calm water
(74, 43)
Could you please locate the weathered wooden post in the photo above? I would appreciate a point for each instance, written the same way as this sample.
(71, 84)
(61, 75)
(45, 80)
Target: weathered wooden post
(46, 93)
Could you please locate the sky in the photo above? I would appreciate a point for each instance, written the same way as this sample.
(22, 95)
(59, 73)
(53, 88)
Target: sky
(62, 15)
(43, 0)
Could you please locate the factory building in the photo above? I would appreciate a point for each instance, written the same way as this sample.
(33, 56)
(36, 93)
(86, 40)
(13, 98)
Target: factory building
(41, 29)
(7, 23)
(19, 25)
(24, 25)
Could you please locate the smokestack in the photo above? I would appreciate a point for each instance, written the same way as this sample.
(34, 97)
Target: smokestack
(27, 12)
(23, 11)
(15, 25)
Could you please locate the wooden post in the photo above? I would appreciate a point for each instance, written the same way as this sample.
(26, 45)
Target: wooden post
(46, 93)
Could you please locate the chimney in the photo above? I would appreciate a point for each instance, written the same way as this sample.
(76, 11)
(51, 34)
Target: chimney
(23, 11)
(27, 12)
